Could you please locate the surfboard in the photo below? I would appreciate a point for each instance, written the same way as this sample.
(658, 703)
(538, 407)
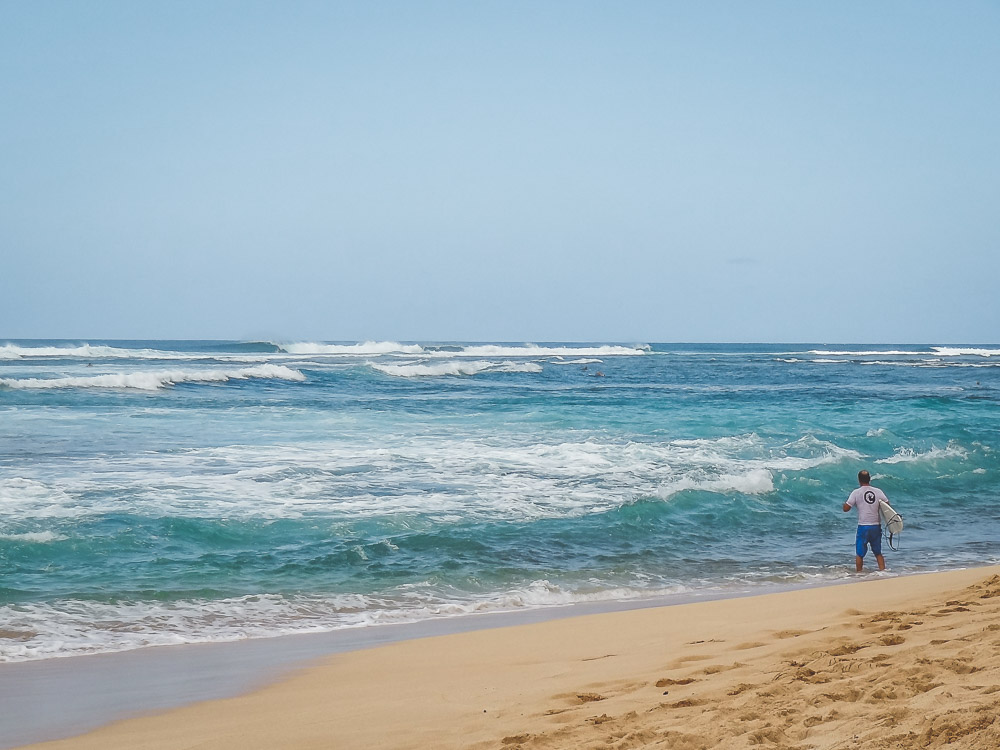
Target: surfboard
(892, 521)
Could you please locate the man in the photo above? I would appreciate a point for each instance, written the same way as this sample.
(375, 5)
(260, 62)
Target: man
(866, 499)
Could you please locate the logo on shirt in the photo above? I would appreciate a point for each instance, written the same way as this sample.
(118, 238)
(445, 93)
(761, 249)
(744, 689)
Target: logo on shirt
(869, 497)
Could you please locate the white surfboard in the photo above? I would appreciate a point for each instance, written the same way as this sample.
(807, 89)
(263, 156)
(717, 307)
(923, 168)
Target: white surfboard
(892, 521)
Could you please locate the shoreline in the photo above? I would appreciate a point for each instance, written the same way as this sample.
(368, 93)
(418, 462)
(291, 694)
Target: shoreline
(141, 681)
(363, 676)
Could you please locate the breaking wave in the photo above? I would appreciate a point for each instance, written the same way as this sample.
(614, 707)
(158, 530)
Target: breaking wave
(155, 380)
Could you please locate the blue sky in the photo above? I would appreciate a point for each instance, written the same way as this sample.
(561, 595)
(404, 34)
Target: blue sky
(533, 171)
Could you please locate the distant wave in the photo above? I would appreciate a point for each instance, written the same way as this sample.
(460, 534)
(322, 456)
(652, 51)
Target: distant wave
(13, 351)
(99, 351)
(866, 353)
(946, 351)
(938, 351)
(367, 348)
(455, 368)
(152, 381)
(370, 348)
(533, 350)
(262, 347)
(264, 350)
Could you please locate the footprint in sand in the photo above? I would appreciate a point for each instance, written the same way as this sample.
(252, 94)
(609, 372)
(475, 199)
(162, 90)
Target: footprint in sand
(960, 666)
(884, 616)
(783, 634)
(716, 668)
(686, 703)
(845, 649)
(666, 681)
(515, 739)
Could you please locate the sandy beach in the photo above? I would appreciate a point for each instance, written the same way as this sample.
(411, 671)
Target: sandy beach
(909, 662)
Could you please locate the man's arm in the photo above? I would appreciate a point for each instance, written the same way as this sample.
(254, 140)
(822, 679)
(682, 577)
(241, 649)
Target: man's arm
(847, 507)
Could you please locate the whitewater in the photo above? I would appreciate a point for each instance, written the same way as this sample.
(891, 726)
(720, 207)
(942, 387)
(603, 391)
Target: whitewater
(164, 492)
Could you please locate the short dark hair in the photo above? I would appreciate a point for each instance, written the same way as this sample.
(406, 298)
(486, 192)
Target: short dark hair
(864, 477)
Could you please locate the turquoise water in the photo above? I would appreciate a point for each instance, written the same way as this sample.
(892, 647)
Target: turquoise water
(158, 492)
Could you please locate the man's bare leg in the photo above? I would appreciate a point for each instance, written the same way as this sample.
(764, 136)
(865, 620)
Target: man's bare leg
(881, 562)
(858, 563)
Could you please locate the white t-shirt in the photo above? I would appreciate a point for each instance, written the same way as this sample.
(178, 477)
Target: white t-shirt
(866, 499)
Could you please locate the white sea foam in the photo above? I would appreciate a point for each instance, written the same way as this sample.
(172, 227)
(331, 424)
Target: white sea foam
(754, 482)
(35, 537)
(456, 367)
(30, 499)
(805, 453)
(75, 627)
(583, 361)
(908, 455)
(155, 380)
(425, 478)
(911, 363)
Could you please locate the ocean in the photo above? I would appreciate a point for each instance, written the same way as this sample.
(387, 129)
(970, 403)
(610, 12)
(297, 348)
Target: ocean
(168, 492)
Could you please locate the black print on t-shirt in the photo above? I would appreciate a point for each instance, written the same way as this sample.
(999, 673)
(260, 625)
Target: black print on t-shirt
(870, 497)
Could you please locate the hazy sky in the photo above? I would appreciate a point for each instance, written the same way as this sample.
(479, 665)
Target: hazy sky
(536, 171)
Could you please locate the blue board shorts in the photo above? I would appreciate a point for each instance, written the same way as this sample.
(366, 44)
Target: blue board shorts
(868, 535)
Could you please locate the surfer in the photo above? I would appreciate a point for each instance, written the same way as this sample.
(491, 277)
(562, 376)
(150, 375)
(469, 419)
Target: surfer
(866, 499)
